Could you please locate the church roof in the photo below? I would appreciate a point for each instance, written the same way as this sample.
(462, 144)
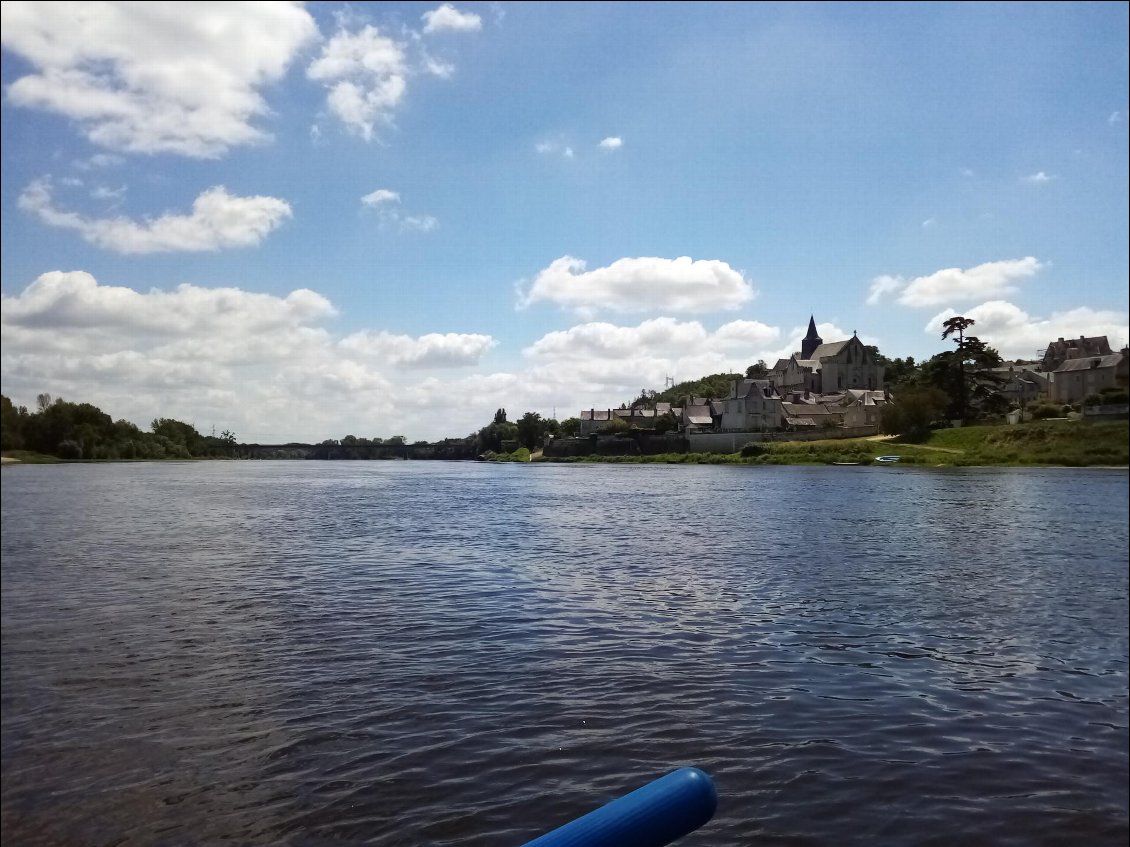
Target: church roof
(825, 351)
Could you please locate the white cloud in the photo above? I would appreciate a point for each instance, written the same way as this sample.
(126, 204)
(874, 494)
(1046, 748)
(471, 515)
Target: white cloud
(640, 285)
(62, 300)
(1037, 178)
(984, 280)
(386, 203)
(602, 365)
(103, 192)
(266, 366)
(882, 286)
(98, 161)
(1016, 334)
(612, 143)
(554, 147)
(366, 77)
(180, 78)
(929, 222)
(448, 18)
(218, 220)
(419, 223)
(380, 197)
(1116, 117)
(437, 67)
(432, 350)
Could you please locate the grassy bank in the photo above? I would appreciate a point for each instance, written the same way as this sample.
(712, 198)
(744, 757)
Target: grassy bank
(27, 457)
(1045, 443)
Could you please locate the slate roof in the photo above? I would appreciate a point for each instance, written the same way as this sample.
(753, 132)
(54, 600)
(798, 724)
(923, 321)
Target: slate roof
(699, 415)
(825, 351)
(809, 410)
(1110, 361)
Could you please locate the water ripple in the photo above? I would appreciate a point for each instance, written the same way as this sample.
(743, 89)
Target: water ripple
(431, 653)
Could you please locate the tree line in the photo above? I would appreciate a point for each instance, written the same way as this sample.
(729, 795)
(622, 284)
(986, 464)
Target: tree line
(83, 431)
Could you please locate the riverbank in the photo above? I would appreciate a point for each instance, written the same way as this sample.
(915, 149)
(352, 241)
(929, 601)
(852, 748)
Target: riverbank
(27, 457)
(1043, 443)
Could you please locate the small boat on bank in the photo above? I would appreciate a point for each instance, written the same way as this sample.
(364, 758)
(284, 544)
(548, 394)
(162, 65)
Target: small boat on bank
(887, 460)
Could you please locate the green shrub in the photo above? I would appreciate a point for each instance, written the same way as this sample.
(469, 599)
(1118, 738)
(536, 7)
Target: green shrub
(1045, 411)
(754, 448)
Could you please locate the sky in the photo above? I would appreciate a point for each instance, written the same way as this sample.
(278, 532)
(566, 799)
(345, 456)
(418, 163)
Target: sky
(300, 222)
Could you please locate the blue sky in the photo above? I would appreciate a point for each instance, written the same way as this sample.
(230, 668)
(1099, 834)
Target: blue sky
(300, 222)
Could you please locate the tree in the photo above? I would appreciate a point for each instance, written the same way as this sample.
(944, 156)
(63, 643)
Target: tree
(646, 398)
(615, 425)
(178, 432)
(757, 371)
(966, 376)
(570, 427)
(500, 416)
(665, 423)
(914, 411)
(958, 324)
(530, 430)
(900, 371)
(11, 425)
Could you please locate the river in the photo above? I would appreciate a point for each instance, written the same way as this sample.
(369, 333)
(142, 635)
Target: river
(418, 653)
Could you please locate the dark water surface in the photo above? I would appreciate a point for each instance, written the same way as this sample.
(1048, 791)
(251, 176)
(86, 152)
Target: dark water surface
(437, 653)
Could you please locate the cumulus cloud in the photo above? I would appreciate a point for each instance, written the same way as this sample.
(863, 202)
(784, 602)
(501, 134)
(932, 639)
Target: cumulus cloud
(983, 280)
(883, 285)
(1037, 178)
(448, 18)
(218, 220)
(266, 366)
(365, 74)
(432, 350)
(640, 285)
(181, 78)
(380, 197)
(1017, 334)
(386, 203)
(612, 143)
(601, 364)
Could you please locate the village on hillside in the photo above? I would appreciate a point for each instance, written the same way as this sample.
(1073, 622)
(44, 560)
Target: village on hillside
(837, 389)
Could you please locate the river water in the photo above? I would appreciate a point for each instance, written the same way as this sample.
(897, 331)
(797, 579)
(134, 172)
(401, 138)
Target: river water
(421, 653)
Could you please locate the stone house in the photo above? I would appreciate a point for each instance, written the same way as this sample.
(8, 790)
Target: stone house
(1076, 379)
(753, 406)
(1022, 384)
(1082, 347)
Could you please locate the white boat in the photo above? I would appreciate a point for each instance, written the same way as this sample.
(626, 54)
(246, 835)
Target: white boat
(890, 460)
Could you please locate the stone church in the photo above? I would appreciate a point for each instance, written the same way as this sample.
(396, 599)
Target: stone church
(827, 368)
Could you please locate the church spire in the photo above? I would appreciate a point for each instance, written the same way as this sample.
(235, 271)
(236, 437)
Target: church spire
(811, 341)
